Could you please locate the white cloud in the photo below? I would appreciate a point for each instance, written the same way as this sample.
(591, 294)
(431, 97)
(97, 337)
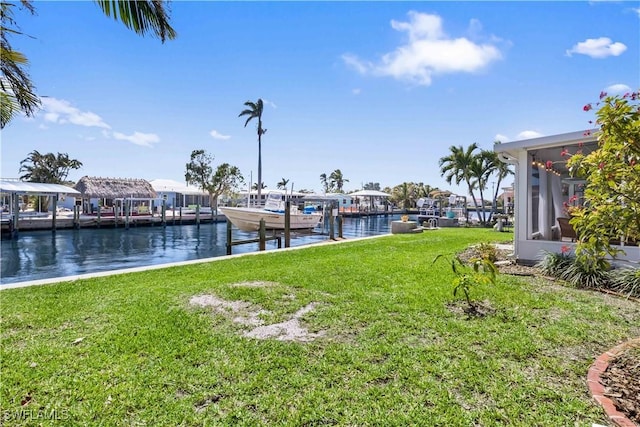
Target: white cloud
(429, 52)
(217, 135)
(529, 134)
(637, 10)
(598, 48)
(138, 138)
(61, 112)
(267, 102)
(356, 91)
(618, 89)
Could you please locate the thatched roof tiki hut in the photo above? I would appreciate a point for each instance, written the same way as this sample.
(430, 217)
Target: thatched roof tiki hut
(109, 190)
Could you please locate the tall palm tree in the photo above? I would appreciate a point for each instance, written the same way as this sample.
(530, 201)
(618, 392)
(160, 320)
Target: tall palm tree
(337, 180)
(282, 185)
(17, 91)
(253, 111)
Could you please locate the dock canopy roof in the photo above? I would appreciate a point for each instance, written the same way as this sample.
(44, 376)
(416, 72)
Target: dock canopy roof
(370, 193)
(115, 188)
(15, 186)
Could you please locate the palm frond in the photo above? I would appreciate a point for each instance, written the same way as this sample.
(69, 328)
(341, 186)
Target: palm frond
(142, 16)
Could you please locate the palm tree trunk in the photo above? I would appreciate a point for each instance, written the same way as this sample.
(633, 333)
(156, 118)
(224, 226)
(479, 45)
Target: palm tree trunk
(259, 167)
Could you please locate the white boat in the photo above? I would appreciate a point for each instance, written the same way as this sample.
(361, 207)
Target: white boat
(248, 219)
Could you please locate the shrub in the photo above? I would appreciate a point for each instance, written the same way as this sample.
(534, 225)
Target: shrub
(626, 281)
(554, 264)
(487, 251)
(585, 274)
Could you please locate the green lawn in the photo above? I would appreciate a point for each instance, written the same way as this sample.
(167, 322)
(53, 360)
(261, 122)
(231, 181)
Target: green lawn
(393, 348)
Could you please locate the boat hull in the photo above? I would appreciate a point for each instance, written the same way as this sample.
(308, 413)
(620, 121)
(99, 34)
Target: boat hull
(248, 219)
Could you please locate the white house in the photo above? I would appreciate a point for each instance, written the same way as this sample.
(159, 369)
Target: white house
(543, 191)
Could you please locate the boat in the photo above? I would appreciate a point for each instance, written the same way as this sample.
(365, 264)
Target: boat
(273, 213)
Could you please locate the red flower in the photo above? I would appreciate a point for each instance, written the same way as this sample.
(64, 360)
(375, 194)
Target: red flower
(565, 249)
(587, 107)
(564, 152)
(549, 164)
(601, 165)
(580, 144)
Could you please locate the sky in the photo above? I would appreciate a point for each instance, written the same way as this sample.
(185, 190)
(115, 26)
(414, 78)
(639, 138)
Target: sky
(379, 90)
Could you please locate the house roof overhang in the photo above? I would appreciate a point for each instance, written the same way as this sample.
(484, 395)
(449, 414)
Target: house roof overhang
(546, 148)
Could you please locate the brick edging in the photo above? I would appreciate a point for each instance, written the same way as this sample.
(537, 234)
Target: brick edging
(597, 389)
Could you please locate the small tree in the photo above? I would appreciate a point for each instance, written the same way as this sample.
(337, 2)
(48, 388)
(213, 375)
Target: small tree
(199, 172)
(477, 271)
(612, 174)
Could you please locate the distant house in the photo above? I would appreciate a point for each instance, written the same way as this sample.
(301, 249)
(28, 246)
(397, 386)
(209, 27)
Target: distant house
(111, 192)
(543, 191)
(178, 195)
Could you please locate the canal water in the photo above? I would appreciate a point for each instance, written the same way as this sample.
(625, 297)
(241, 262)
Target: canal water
(38, 255)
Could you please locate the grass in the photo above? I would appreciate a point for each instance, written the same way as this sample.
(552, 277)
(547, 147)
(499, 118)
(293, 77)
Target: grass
(130, 349)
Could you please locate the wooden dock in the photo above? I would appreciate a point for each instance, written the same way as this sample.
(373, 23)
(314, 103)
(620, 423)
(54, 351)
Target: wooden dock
(33, 223)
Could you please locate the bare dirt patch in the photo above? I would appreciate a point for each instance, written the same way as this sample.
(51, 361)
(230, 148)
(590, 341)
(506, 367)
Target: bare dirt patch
(247, 314)
(290, 330)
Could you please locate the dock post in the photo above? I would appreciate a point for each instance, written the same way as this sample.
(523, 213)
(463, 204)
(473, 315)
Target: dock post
(126, 214)
(262, 235)
(99, 211)
(331, 226)
(16, 213)
(198, 216)
(53, 213)
(164, 213)
(340, 226)
(228, 237)
(180, 215)
(76, 216)
(287, 224)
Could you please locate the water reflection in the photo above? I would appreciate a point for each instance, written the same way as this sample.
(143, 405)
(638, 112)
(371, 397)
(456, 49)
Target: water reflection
(43, 254)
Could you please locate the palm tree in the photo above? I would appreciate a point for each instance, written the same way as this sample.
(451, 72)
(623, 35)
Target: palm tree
(325, 182)
(480, 171)
(17, 92)
(458, 166)
(283, 184)
(337, 180)
(254, 110)
(255, 187)
(500, 169)
(47, 168)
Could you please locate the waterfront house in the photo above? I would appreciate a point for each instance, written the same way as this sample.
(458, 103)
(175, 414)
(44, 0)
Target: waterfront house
(177, 195)
(543, 191)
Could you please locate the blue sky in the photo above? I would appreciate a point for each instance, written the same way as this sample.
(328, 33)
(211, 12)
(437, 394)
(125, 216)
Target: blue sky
(379, 90)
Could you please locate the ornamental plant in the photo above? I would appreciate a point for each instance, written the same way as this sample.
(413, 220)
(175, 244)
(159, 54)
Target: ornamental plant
(612, 174)
(475, 272)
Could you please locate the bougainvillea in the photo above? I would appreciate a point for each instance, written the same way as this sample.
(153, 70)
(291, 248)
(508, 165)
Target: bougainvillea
(612, 173)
